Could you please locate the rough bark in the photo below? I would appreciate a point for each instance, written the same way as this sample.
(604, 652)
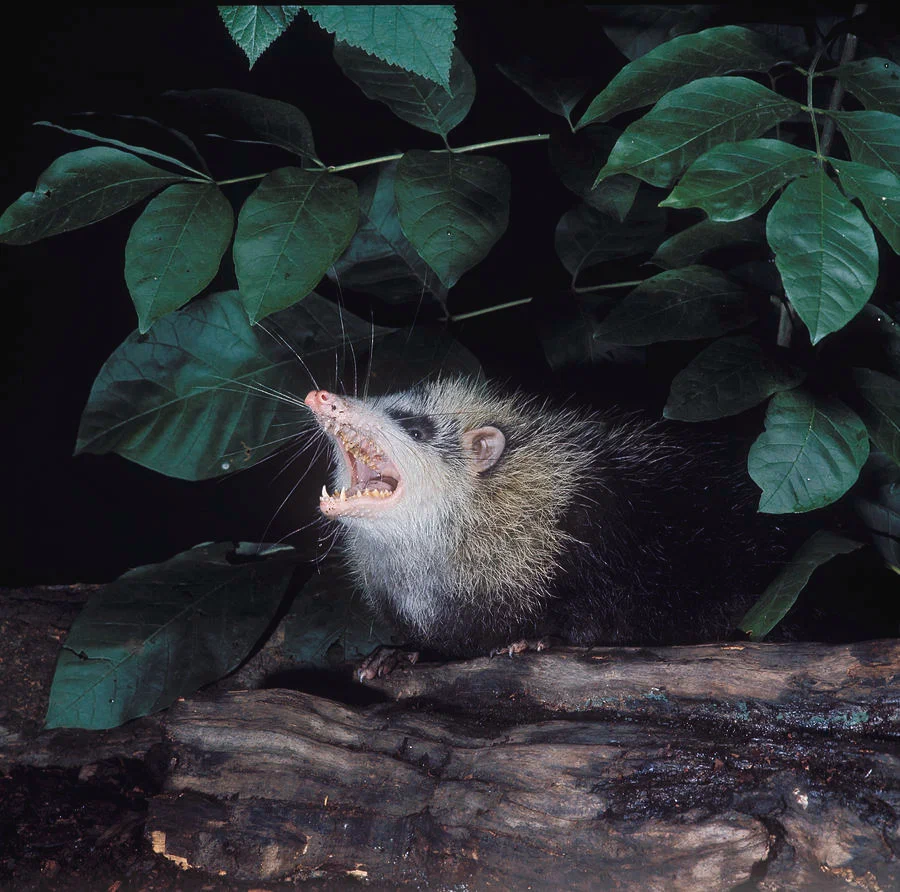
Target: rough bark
(675, 768)
(276, 784)
(705, 767)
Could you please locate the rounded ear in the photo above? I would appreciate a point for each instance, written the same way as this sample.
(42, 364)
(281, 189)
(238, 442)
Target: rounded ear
(485, 445)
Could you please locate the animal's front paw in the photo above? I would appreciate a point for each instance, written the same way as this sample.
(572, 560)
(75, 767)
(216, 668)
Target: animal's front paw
(518, 647)
(384, 660)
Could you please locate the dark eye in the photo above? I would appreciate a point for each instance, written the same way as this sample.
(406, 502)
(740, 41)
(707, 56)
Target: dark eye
(419, 427)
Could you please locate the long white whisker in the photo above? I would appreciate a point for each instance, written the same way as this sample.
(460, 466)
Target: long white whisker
(345, 341)
(371, 354)
(279, 338)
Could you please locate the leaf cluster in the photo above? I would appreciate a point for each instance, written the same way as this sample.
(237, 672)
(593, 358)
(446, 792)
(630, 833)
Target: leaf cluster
(723, 140)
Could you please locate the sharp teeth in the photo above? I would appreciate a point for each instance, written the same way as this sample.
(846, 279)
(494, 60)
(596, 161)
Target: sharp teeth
(324, 493)
(343, 495)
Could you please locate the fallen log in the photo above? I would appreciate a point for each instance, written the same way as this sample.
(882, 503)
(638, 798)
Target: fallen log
(573, 769)
(775, 766)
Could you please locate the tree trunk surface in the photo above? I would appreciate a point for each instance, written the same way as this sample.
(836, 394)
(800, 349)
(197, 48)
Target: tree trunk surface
(711, 767)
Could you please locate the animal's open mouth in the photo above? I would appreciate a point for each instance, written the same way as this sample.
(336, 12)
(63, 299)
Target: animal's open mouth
(374, 479)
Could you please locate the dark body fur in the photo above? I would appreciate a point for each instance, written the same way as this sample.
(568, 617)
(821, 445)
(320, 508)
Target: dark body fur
(632, 532)
(671, 551)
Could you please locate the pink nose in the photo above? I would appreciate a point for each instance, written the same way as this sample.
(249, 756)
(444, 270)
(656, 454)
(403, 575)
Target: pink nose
(318, 399)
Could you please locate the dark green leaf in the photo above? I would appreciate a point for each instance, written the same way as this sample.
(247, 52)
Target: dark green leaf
(677, 62)
(873, 137)
(874, 82)
(825, 252)
(128, 147)
(380, 260)
(174, 249)
(679, 304)
(734, 180)
(255, 28)
(757, 275)
(411, 98)
(880, 409)
(408, 356)
(416, 38)
(879, 192)
(689, 245)
(329, 623)
(576, 156)
(240, 115)
(78, 189)
(878, 336)
(197, 396)
(568, 335)
(636, 29)
(809, 455)
(881, 515)
(691, 120)
(453, 208)
(161, 631)
(585, 238)
(558, 95)
(781, 594)
(729, 376)
(290, 230)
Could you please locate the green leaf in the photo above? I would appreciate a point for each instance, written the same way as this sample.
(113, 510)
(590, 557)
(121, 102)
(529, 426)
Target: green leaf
(380, 260)
(237, 115)
(809, 455)
(734, 180)
(568, 336)
(636, 28)
(874, 82)
(408, 356)
(679, 304)
(175, 247)
(453, 208)
(825, 252)
(290, 230)
(255, 28)
(691, 120)
(199, 394)
(678, 62)
(585, 238)
(879, 192)
(413, 99)
(878, 336)
(418, 39)
(128, 147)
(329, 623)
(558, 95)
(78, 189)
(729, 376)
(873, 137)
(576, 156)
(880, 409)
(780, 595)
(881, 515)
(161, 631)
(689, 245)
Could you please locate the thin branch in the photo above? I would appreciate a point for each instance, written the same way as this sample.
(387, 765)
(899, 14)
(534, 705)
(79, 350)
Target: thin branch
(837, 91)
(512, 303)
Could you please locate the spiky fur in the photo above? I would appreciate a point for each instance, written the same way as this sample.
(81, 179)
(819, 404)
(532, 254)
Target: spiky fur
(600, 529)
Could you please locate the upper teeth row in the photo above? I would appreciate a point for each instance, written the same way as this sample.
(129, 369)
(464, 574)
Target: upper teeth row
(364, 451)
(342, 494)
